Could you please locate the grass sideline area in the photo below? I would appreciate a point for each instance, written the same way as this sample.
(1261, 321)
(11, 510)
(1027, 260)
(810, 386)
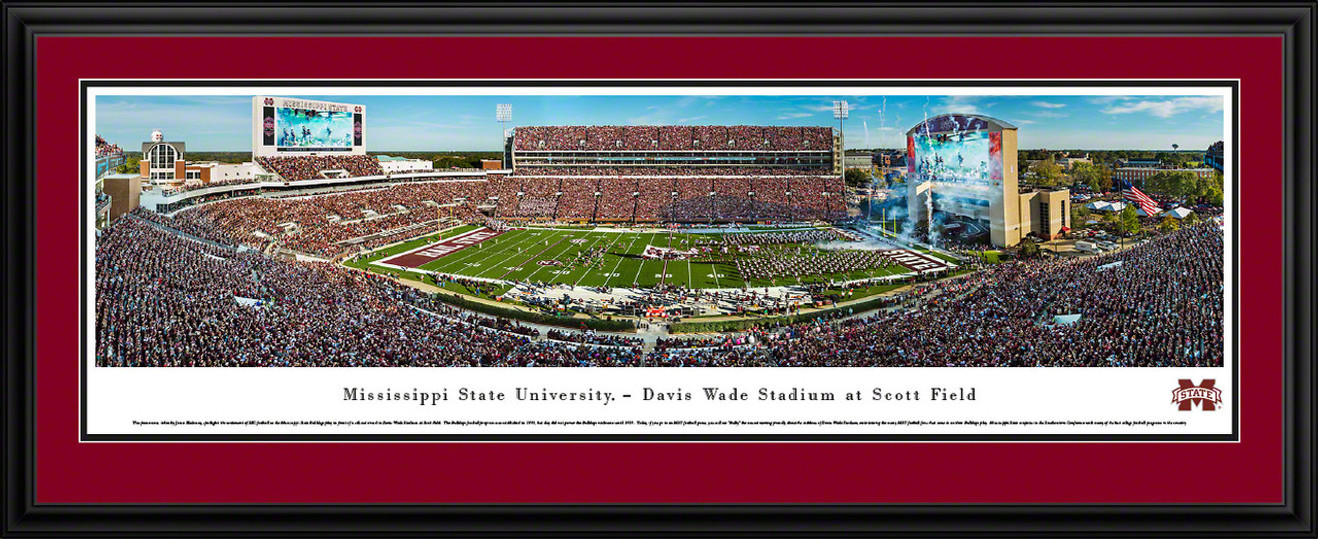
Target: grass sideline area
(990, 257)
(745, 324)
(458, 300)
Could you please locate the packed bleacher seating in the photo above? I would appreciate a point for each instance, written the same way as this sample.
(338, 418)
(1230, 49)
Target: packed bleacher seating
(539, 198)
(309, 167)
(164, 299)
(505, 188)
(578, 200)
(617, 201)
(1163, 307)
(324, 225)
(810, 201)
(656, 195)
(732, 199)
(771, 200)
(695, 172)
(692, 202)
(698, 170)
(167, 301)
(672, 137)
(188, 187)
(105, 149)
(591, 337)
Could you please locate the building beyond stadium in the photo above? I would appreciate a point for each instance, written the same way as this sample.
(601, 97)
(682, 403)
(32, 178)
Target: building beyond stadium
(963, 167)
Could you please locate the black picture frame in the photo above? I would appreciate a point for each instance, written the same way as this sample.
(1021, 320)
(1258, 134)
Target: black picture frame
(25, 21)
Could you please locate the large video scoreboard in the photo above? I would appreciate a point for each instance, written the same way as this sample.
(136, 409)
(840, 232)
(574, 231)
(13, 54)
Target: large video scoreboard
(285, 126)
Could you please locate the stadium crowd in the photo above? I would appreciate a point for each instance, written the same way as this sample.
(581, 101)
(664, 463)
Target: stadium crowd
(591, 337)
(671, 137)
(193, 186)
(105, 149)
(166, 301)
(534, 171)
(1162, 306)
(578, 200)
(617, 200)
(309, 167)
(323, 225)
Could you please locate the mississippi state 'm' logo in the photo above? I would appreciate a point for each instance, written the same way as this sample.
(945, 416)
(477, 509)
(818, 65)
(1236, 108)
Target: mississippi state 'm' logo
(1205, 395)
(358, 109)
(269, 101)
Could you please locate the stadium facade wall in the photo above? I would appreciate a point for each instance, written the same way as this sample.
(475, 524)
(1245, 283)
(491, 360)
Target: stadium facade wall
(125, 192)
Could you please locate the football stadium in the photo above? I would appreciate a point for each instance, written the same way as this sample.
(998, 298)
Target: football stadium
(636, 245)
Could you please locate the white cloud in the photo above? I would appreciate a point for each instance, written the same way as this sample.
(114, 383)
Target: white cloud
(794, 115)
(1167, 108)
(1105, 99)
(963, 104)
(1047, 105)
(1024, 122)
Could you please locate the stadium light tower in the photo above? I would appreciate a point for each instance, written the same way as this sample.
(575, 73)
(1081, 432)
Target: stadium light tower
(840, 110)
(503, 112)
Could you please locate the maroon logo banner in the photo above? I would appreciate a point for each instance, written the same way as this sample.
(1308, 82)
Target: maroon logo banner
(1204, 394)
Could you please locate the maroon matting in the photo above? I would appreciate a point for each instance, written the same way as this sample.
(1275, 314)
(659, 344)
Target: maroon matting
(1247, 472)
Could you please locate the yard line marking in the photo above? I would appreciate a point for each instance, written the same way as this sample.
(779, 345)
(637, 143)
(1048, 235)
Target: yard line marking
(553, 256)
(586, 249)
(636, 279)
(606, 251)
(620, 259)
(437, 251)
(513, 238)
(663, 273)
(533, 257)
(533, 239)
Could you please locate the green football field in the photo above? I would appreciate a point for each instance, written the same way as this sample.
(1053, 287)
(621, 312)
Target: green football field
(559, 256)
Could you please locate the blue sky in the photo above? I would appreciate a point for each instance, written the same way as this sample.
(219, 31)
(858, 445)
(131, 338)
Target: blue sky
(436, 123)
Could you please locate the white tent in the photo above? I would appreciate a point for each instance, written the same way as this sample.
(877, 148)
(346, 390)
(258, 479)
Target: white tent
(1140, 212)
(1103, 205)
(1066, 319)
(1179, 212)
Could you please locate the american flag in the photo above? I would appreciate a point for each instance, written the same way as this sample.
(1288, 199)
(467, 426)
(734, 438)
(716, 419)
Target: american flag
(1138, 198)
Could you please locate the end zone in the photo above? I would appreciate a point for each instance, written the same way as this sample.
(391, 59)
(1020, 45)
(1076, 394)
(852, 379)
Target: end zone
(429, 253)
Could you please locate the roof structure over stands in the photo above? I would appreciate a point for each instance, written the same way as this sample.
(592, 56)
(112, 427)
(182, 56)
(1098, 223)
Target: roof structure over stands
(945, 123)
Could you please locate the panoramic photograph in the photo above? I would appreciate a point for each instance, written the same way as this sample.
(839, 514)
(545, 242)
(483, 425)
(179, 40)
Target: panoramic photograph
(648, 230)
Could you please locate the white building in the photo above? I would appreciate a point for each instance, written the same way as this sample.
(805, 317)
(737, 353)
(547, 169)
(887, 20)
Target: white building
(399, 165)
